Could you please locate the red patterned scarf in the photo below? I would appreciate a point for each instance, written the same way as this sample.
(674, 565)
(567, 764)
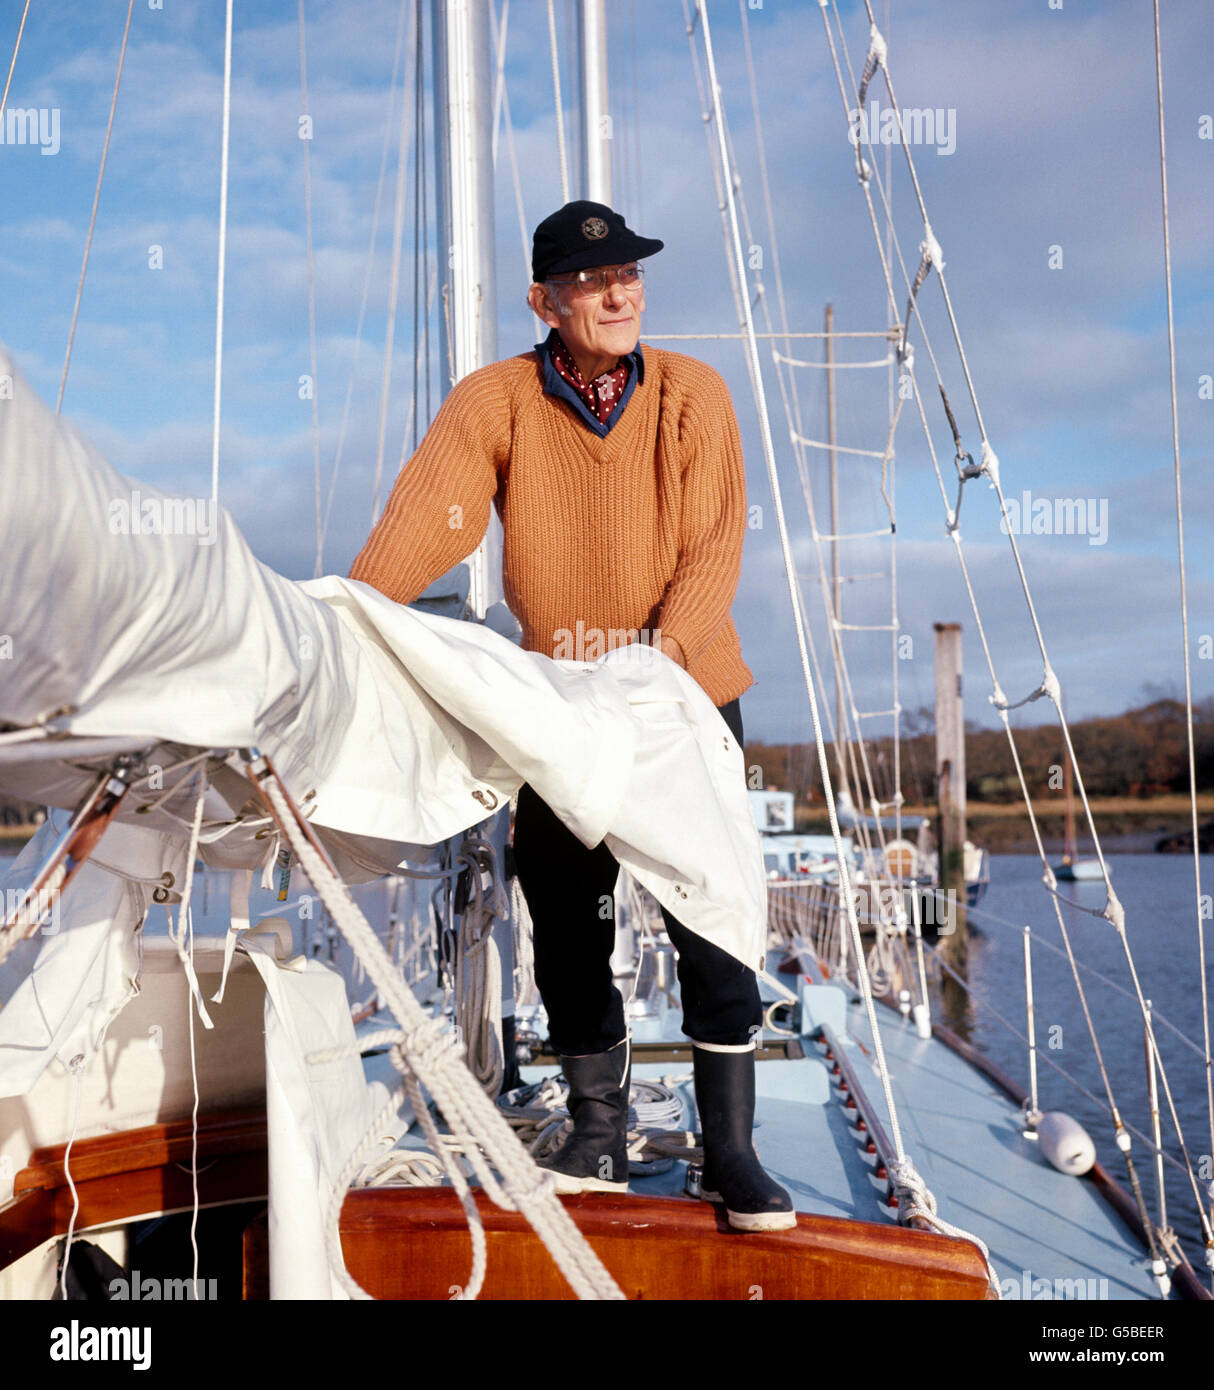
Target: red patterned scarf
(601, 395)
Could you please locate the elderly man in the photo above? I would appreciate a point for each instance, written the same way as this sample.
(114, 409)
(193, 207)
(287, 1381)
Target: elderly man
(619, 481)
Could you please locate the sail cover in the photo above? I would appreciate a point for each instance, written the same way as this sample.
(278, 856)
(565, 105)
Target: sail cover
(127, 612)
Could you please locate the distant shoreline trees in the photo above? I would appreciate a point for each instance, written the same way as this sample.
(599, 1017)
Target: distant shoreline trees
(1141, 753)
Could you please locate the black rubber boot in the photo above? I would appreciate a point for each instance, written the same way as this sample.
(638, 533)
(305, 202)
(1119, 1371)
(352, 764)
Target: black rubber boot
(594, 1158)
(725, 1098)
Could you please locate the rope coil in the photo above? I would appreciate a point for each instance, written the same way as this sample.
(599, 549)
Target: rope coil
(433, 1061)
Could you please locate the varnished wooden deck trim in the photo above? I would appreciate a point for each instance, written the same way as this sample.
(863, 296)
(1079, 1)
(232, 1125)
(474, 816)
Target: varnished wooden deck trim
(413, 1243)
(134, 1173)
(219, 1132)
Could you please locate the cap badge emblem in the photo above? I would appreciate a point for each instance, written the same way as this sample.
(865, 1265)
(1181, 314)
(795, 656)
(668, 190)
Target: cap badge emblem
(594, 229)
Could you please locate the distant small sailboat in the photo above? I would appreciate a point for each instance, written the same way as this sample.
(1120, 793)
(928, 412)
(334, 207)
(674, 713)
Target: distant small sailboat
(1072, 867)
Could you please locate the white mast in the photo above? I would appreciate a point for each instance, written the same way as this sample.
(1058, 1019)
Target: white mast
(596, 119)
(467, 287)
(468, 310)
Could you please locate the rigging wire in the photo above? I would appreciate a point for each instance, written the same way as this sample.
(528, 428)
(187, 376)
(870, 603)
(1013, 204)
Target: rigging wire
(788, 395)
(852, 736)
(418, 260)
(560, 115)
(727, 176)
(1040, 940)
(1049, 687)
(690, 21)
(422, 302)
(1184, 599)
(790, 568)
(1078, 1085)
(88, 242)
(8, 81)
(783, 333)
(398, 228)
(223, 249)
(497, 33)
(411, 416)
(306, 141)
(362, 306)
(835, 366)
(421, 154)
(951, 514)
(524, 239)
(638, 183)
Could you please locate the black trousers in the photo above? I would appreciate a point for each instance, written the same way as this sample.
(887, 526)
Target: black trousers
(569, 891)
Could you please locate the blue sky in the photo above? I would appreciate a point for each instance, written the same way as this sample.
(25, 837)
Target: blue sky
(1056, 145)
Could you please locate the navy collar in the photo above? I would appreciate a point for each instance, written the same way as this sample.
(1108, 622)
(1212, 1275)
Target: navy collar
(556, 385)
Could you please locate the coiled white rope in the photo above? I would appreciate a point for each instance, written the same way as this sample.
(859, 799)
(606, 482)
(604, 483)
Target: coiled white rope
(538, 1114)
(429, 1052)
(446, 1163)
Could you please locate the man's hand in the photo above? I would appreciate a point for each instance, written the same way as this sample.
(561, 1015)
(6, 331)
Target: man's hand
(669, 647)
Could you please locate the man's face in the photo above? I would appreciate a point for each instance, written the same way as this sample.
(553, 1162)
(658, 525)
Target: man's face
(598, 327)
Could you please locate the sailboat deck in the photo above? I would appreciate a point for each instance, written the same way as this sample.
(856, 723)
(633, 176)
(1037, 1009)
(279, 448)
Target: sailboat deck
(1049, 1235)
(964, 1136)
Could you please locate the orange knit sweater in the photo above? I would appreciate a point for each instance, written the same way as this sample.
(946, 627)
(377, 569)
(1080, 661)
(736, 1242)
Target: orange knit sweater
(603, 537)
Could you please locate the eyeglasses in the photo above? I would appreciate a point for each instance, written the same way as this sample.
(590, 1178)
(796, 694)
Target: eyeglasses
(587, 283)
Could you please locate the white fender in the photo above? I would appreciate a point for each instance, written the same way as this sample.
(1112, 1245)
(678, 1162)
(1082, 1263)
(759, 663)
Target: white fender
(1066, 1143)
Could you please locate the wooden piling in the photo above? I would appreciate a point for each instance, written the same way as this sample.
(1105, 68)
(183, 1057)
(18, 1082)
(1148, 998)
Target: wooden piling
(950, 791)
